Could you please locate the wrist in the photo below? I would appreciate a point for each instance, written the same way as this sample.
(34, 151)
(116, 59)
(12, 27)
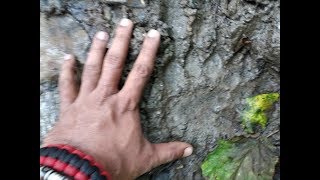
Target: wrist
(88, 151)
(72, 162)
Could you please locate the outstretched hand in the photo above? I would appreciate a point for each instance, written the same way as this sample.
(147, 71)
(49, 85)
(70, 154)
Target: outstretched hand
(102, 120)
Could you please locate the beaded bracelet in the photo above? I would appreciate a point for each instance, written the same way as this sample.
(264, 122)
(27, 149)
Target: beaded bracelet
(71, 162)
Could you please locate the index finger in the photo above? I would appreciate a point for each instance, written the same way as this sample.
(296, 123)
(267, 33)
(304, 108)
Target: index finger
(142, 68)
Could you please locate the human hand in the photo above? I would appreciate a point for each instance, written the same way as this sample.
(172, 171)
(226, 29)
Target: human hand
(103, 121)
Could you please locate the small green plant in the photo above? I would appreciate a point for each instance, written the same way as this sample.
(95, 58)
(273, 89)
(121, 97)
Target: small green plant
(255, 112)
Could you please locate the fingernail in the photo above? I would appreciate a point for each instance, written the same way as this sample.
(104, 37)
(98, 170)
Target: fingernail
(124, 22)
(187, 152)
(67, 57)
(102, 36)
(153, 33)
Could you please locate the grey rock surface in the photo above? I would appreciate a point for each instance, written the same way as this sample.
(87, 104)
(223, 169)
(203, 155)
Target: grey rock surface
(49, 107)
(213, 55)
(60, 35)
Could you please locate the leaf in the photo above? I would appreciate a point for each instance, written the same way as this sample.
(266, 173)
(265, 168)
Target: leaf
(244, 159)
(255, 113)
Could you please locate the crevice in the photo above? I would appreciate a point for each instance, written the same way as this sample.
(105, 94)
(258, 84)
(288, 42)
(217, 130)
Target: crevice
(79, 22)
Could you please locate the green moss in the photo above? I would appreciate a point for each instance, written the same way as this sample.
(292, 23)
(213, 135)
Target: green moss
(255, 113)
(218, 164)
(247, 159)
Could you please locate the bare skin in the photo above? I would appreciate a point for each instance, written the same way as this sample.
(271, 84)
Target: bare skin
(102, 120)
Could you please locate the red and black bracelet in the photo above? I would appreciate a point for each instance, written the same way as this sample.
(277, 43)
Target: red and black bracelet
(72, 162)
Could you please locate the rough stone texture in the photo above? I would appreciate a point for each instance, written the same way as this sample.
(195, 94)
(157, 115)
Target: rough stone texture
(49, 107)
(204, 68)
(60, 35)
(52, 7)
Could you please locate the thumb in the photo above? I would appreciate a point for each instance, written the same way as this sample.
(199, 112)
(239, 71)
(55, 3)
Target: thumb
(166, 152)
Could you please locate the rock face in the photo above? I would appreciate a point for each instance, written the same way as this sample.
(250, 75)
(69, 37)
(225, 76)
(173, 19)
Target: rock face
(60, 35)
(213, 55)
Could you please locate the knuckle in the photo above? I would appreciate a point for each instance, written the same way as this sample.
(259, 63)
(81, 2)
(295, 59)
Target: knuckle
(68, 65)
(108, 87)
(99, 100)
(147, 51)
(128, 103)
(123, 34)
(173, 154)
(113, 61)
(92, 69)
(173, 151)
(63, 82)
(98, 47)
(141, 70)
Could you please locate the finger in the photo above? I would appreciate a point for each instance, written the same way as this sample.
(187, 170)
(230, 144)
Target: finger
(115, 58)
(93, 65)
(166, 152)
(142, 68)
(67, 84)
